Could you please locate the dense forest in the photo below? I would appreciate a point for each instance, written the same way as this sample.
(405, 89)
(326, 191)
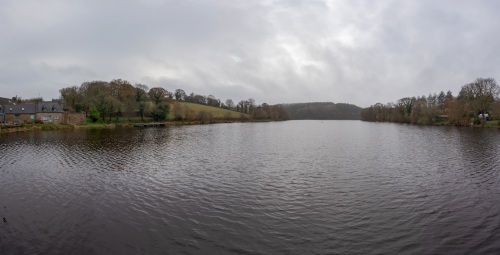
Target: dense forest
(119, 98)
(323, 111)
(480, 96)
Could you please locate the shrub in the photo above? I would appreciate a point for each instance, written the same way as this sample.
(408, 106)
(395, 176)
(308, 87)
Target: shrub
(94, 115)
(203, 116)
(477, 121)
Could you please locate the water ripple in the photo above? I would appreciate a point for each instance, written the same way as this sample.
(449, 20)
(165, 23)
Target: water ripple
(296, 187)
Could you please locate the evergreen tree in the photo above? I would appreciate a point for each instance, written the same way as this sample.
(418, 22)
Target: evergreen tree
(441, 97)
(448, 95)
(94, 115)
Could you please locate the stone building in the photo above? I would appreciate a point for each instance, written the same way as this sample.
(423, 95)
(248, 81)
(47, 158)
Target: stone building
(23, 113)
(49, 113)
(42, 112)
(75, 119)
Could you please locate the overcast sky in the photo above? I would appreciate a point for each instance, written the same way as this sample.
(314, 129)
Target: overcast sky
(359, 52)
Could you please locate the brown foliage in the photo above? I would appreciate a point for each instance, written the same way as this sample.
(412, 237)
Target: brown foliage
(177, 111)
(190, 116)
(121, 89)
(458, 111)
(204, 116)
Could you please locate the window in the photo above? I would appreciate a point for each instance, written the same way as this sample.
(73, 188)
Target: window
(56, 117)
(17, 117)
(44, 118)
(32, 116)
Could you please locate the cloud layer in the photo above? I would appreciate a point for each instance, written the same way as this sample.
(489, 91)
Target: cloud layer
(360, 52)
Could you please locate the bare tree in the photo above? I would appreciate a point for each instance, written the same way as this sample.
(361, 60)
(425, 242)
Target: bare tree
(130, 109)
(481, 93)
(241, 105)
(157, 94)
(180, 95)
(177, 111)
(70, 95)
(230, 103)
(114, 107)
(251, 105)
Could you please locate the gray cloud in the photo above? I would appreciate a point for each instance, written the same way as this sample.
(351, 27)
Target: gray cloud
(361, 52)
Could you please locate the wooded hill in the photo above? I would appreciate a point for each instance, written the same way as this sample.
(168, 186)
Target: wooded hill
(323, 111)
(119, 98)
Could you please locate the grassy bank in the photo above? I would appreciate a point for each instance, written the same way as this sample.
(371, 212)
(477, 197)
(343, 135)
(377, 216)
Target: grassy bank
(488, 124)
(121, 122)
(42, 127)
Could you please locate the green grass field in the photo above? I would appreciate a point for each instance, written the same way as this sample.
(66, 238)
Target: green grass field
(490, 124)
(216, 112)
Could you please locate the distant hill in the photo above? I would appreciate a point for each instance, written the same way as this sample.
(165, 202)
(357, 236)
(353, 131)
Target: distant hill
(323, 111)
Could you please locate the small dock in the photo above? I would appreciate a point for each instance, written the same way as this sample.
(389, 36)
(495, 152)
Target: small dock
(150, 125)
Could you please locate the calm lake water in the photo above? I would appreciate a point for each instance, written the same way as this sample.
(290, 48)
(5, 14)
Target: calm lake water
(295, 187)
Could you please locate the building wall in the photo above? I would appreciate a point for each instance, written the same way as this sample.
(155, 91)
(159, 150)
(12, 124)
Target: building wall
(74, 118)
(62, 118)
(57, 121)
(26, 118)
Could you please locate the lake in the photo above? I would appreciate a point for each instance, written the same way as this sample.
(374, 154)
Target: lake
(294, 187)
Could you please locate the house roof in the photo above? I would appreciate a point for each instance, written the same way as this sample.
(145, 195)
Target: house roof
(7, 101)
(49, 107)
(19, 109)
(60, 100)
(32, 108)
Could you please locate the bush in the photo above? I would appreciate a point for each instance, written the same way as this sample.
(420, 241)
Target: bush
(94, 115)
(477, 121)
(161, 113)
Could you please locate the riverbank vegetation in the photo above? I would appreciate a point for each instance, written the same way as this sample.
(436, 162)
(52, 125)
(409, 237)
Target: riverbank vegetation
(120, 99)
(323, 111)
(476, 99)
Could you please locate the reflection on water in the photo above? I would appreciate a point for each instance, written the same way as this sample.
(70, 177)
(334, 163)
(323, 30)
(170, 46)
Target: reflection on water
(296, 187)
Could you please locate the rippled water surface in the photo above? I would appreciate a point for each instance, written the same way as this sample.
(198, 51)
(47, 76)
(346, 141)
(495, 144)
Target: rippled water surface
(295, 187)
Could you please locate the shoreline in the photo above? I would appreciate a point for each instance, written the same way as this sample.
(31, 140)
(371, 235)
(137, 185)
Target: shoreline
(488, 124)
(51, 127)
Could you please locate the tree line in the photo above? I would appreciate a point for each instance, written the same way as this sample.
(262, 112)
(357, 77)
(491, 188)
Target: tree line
(119, 98)
(323, 111)
(475, 98)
